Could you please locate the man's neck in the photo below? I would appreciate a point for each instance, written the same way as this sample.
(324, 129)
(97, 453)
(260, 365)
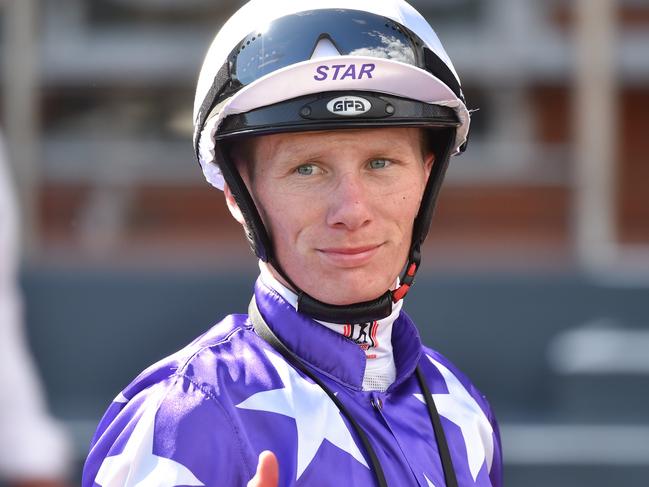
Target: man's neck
(374, 338)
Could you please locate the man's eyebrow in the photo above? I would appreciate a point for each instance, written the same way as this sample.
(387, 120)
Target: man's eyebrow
(292, 151)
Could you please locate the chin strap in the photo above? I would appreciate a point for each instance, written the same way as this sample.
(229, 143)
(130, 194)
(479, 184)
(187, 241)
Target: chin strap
(408, 278)
(364, 312)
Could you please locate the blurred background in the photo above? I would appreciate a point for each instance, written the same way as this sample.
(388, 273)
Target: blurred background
(535, 277)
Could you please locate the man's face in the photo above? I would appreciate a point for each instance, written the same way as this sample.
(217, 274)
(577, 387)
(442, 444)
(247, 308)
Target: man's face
(340, 206)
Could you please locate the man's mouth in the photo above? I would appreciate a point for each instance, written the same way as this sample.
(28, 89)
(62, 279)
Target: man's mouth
(349, 257)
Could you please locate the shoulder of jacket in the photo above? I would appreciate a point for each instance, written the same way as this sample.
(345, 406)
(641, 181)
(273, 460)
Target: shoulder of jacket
(192, 359)
(443, 366)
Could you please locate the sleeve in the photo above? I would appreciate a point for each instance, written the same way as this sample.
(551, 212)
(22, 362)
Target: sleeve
(496, 471)
(476, 406)
(495, 467)
(32, 443)
(170, 434)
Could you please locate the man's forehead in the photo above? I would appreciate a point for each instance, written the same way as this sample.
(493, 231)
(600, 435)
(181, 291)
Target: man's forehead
(366, 138)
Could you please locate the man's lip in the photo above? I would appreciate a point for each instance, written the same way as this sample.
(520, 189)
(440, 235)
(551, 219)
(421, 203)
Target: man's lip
(349, 257)
(349, 250)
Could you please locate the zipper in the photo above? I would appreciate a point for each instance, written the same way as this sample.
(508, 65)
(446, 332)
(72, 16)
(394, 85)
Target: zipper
(376, 402)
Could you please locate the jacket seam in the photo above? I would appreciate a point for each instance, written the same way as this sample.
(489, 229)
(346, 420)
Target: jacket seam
(180, 372)
(207, 394)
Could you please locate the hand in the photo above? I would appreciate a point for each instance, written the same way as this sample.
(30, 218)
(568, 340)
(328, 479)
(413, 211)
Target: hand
(37, 483)
(267, 471)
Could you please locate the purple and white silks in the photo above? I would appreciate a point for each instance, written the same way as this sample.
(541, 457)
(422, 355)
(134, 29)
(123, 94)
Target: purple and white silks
(203, 415)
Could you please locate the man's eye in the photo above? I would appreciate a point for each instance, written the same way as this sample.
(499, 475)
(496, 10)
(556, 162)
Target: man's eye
(379, 163)
(307, 170)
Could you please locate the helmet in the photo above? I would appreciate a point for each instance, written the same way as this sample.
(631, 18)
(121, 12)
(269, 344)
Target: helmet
(288, 66)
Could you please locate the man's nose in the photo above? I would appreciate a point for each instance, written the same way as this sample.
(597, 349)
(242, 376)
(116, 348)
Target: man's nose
(349, 203)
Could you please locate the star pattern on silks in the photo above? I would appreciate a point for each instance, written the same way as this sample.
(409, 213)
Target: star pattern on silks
(137, 466)
(461, 408)
(316, 416)
(430, 484)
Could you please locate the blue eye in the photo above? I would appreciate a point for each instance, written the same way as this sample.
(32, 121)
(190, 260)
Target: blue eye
(379, 163)
(305, 170)
(309, 169)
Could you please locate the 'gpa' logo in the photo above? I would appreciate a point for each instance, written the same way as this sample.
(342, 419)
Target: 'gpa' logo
(349, 106)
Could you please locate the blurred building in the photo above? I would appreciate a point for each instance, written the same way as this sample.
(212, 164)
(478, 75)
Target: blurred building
(117, 171)
(114, 183)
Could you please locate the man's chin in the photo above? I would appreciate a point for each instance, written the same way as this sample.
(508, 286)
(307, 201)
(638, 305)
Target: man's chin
(346, 295)
(341, 287)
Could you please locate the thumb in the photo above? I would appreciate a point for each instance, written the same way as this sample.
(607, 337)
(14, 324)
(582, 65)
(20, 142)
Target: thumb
(267, 471)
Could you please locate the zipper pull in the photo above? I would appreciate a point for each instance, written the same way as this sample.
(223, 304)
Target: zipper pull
(376, 403)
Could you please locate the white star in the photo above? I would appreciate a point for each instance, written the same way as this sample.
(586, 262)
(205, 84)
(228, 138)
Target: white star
(316, 417)
(430, 484)
(138, 466)
(459, 407)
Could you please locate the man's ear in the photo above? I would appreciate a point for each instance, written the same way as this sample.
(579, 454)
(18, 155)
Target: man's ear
(232, 205)
(428, 163)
